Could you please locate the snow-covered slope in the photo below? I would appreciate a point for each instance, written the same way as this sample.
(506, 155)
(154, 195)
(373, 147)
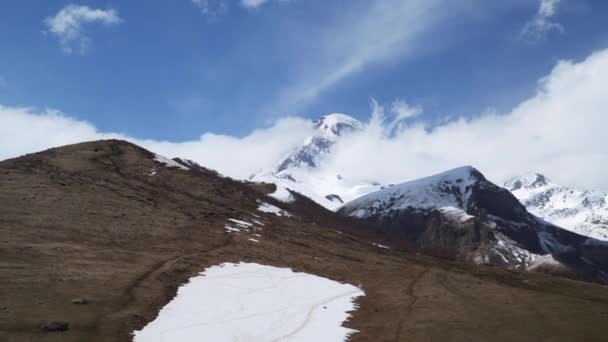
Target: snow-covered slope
(299, 171)
(583, 212)
(450, 189)
(457, 213)
(252, 302)
(460, 214)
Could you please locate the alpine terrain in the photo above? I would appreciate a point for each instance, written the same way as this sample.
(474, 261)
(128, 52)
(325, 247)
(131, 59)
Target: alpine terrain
(583, 212)
(106, 241)
(459, 214)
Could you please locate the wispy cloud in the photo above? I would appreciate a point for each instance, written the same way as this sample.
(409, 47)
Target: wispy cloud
(362, 36)
(68, 25)
(211, 7)
(542, 24)
(253, 4)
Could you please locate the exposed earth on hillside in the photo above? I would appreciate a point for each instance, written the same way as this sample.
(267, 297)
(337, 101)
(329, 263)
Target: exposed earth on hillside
(107, 223)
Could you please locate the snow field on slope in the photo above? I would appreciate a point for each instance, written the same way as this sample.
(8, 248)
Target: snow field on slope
(271, 209)
(168, 162)
(576, 210)
(282, 194)
(423, 193)
(254, 303)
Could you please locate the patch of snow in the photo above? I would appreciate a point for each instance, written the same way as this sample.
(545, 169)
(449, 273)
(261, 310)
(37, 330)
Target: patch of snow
(282, 194)
(507, 247)
(241, 223)
(253, 240)
(231, 229)
(271, 209)
(152, 173)
(252, 302)
(542, 260)
(381, 246)
(360, 213)
(168, 162)
(456, 214)
(236, 226)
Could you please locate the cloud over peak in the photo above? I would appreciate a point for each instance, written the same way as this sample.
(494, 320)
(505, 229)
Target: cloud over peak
(68, 25)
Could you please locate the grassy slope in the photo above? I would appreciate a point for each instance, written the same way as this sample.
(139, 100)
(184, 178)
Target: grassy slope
(87, 220)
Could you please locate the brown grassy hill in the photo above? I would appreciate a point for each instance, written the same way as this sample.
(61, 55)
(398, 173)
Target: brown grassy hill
(90, 221)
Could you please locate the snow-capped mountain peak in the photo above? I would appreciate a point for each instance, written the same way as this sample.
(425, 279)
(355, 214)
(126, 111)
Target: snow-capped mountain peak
(583, 212)
(335, 125)
(328, 129)
(299, 170)
(447, 189)
(528, 180)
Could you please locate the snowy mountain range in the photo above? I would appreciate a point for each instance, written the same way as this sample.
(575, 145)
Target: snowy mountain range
(460, 214)
(300, 171)
(583, 212)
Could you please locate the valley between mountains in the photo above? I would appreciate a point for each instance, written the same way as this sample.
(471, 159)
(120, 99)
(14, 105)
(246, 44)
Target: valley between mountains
(122, 229)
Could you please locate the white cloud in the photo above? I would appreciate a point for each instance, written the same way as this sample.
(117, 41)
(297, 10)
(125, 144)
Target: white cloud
(539, 26)
(68, 25)
(403, 111)
(252, 3)
(25, 130)
(560, 132)
(211, 7)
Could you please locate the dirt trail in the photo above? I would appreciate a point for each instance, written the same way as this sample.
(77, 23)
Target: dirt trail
(413, 298)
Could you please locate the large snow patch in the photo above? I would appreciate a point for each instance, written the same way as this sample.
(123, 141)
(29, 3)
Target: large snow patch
(255, 303)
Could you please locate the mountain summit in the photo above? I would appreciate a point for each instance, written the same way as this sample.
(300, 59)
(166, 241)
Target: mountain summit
(328, 129)
(300, 170)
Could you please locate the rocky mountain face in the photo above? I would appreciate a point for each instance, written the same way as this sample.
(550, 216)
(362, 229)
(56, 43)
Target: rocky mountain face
(582, 212)
(461, 215)
(299, 171)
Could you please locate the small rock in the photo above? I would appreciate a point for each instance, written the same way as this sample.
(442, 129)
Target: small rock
(55, 326)
(80, 301)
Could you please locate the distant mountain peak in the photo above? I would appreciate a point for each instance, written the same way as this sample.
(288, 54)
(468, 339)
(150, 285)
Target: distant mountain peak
(583, 212)
(528, 180)
(328, 129)
(297, 170)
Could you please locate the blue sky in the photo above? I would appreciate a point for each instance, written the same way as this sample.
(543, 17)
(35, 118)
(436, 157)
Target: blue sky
(506, 86)
(168, 70)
